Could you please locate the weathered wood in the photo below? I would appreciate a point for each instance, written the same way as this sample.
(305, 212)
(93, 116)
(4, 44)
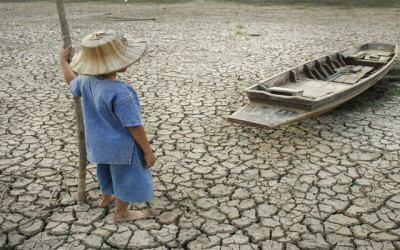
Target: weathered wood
(365, 62)
(328, 69)
(356, 69)
(340, 60)
(341, 78)
(358, 55)
(64, 27)
(372, 57)
(314, 88)
(293, 77)
(339, 72)
(259, 115)
(384, 58)
(285, 91)
(379, 52)
(356, 76)
(321, 71)
(312, 93)
(307, 71)
(349, 52)
(329, 63)
(316, 74)
(78, 110)
(337, 64)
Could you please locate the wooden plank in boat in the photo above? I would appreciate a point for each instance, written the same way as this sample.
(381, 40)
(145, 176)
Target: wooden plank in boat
(341, 78)
(318, 93)
(339, 72)
(345, 75)
(354, 77)
(358, 55)
(357, 76)
(372, 57)
(349, 52)
(364, 62)
(357, 68)
(262, 115)
(285, 91)
(379, 52)
(315, 89)
(384, 58)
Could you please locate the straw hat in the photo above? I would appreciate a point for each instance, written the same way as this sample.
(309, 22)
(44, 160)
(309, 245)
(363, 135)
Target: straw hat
(105, 52)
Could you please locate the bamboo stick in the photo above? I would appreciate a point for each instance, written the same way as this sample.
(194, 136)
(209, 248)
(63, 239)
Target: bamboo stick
(78, 110)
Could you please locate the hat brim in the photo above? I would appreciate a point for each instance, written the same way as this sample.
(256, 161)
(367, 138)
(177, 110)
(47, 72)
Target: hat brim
(119, 59)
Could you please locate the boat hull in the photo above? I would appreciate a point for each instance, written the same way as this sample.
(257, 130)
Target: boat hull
(268, 110)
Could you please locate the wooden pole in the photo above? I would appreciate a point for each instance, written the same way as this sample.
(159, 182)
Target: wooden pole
(78, 110)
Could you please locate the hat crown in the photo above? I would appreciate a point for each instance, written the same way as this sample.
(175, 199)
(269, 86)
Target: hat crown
(100, 38)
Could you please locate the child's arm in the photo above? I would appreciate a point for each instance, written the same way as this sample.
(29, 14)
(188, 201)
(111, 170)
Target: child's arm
(69, 75)
(140, 137)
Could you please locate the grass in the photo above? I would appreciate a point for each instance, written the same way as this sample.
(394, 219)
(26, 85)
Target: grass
(302, 3)
(104, 1)
(310, 3)
(374, 96)
(239, 27)
(394, 92)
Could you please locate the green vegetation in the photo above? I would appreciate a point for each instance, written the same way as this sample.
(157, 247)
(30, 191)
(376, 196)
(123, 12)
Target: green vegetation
(302, 3)
(306, 3)
(104, 1)
(133, 1)
(371, 104)
(394, 92)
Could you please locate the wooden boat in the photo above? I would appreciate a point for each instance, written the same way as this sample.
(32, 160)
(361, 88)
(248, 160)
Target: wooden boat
(315, 87)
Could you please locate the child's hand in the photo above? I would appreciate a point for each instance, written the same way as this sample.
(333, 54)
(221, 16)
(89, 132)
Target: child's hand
(150, 159)
(64, 52)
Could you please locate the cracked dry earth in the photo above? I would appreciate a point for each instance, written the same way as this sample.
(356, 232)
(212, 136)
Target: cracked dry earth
(331, 182)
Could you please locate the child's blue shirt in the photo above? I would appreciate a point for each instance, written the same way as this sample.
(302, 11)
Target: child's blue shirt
(109, 107)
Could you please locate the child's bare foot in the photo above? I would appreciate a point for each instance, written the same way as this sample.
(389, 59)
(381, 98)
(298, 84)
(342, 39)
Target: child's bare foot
(105, 200)
(130, 215)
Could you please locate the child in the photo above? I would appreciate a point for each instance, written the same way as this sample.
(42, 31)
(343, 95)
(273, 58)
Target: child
(115, 137)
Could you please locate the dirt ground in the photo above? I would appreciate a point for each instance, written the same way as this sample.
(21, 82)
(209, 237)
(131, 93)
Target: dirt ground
(330, 182)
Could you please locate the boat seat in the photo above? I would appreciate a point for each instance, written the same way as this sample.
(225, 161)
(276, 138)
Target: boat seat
(285, 91)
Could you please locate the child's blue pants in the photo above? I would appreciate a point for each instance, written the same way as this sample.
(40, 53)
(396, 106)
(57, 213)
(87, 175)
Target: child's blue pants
(128, 182)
